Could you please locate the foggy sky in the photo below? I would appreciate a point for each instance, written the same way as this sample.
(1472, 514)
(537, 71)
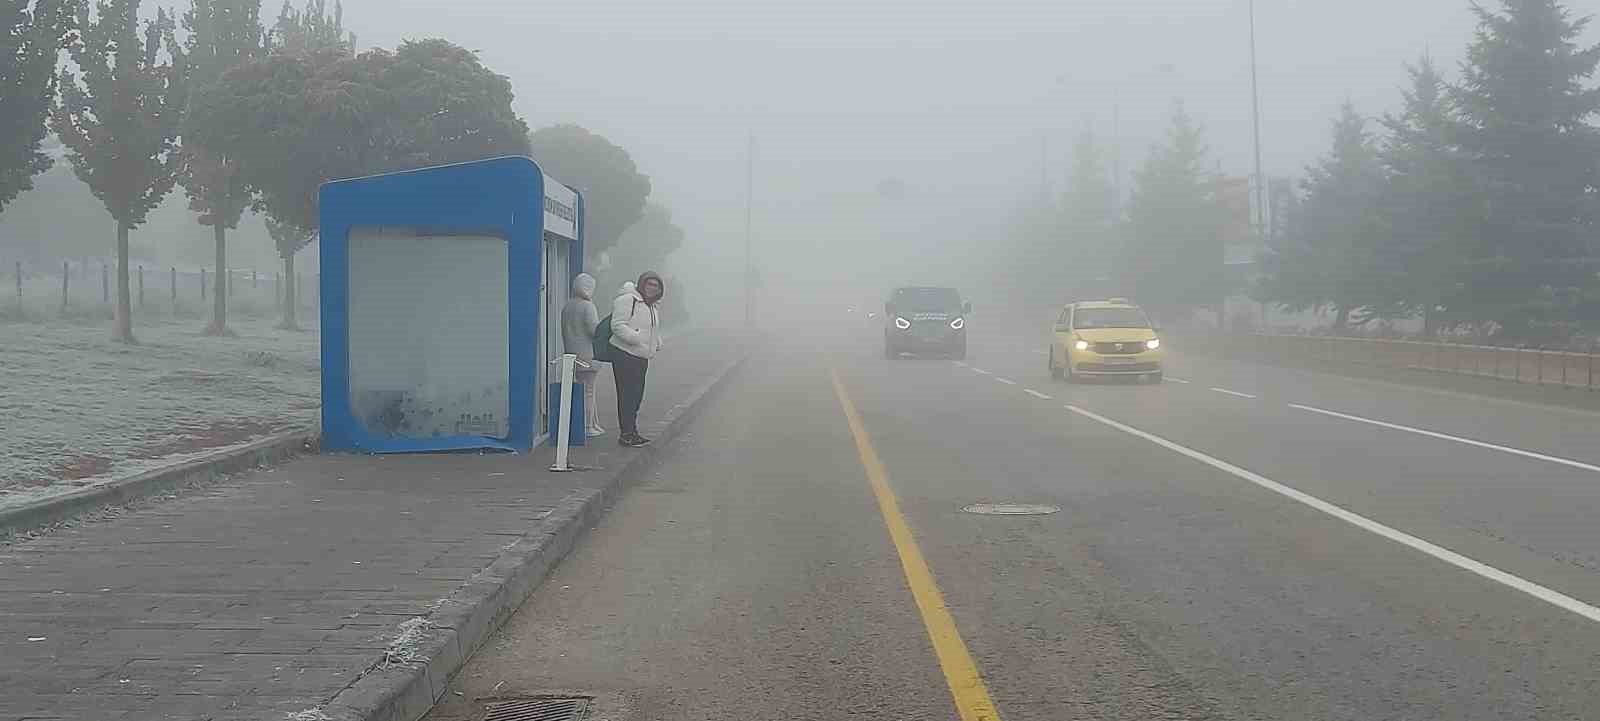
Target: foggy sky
(943, 93)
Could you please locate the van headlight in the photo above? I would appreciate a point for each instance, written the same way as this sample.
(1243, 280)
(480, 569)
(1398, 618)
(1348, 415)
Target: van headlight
(1153, 343)
(902, 323)
(1081, 345)
(958, 323)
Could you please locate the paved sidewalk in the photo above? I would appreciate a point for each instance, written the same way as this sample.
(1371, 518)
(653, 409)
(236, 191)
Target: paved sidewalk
(266, 595)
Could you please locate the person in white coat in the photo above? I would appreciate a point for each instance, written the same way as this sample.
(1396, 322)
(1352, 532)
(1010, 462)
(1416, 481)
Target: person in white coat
(636, 335)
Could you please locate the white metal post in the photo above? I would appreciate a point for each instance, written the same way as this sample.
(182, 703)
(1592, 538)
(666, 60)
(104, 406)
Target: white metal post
(564, 423)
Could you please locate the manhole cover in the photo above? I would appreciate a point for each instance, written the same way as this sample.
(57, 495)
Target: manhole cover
(538, 708)
(1011, 509)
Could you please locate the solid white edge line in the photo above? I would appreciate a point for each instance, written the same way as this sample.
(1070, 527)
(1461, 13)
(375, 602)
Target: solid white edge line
(1178, 380)
(1448, 437)
(1552, 597)
(1037, 394)
(1006, 381)
(1232, 393)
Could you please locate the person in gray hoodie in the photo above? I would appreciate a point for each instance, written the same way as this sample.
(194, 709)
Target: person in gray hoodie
(636, 336)
(579, 319)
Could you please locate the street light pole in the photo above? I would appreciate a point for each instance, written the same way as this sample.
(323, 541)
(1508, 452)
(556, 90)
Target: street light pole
(1255, 109)
(749, 215)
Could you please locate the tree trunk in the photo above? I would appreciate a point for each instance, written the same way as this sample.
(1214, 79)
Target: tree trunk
(122, 324)
(288, 294)
(219, 299)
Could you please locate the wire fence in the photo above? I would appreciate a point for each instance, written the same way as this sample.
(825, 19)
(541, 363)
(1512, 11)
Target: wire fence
(1513, 363)
(87, 289)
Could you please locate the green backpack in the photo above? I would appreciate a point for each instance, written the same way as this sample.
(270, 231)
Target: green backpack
(603, 350)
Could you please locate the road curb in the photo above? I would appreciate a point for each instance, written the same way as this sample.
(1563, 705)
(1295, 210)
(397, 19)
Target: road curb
(404, 684)
(265, 452)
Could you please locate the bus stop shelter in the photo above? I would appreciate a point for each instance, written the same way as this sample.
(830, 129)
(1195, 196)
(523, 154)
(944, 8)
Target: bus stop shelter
(441, 297)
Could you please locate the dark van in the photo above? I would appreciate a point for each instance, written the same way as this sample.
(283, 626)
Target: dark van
(923, 320)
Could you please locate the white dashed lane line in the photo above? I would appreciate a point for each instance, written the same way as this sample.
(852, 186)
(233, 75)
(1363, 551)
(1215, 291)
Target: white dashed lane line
(1548, 595)
(980, 370)
(1448, 437)
(1006, 381)
(1177, 380)
(1233, 393)
(1037, 394)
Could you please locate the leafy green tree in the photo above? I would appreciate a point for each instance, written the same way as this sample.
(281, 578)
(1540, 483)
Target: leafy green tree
(120, 123)
(297, 120)
(1526, 117)
(1336, 254)
(614, 191)
(1432, 210)
(29, 43)
(223, 34)
(1173, 255)
(643, 246)
(312, 28)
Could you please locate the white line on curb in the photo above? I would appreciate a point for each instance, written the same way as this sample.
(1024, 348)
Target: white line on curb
(1233, 393)
(1037, 394)
(1552, 597)
(1457, 439)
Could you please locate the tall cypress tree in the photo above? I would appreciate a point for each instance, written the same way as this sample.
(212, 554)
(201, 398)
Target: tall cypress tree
(29, 43)
(1526, 127)
(1433, 214)
(223, 34)
(1089, 216)
(1173, 257)
(119, 115)
(1342, 230)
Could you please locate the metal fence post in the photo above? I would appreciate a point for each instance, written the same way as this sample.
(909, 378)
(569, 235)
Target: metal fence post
(105, 285)
(202, 284)
(1519, 350)
(1539, 359)
(64, 275)
(253, 279)
(19, 285)
(174, 288)
(1564, 359)
(141, 287)
(226, 279)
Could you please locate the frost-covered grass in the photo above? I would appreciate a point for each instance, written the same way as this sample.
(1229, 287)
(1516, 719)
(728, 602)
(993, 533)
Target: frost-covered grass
(77, 409)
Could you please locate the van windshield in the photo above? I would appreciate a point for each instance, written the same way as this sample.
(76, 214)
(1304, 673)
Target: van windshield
(926, 299)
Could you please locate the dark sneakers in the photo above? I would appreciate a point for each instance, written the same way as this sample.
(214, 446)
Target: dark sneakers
(633, 440)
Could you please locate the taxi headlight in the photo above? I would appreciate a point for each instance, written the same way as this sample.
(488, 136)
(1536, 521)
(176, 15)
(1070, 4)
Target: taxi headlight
(1081, 345)
(1153, 343)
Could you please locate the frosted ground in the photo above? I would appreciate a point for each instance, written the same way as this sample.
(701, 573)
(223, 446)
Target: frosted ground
(77, 409)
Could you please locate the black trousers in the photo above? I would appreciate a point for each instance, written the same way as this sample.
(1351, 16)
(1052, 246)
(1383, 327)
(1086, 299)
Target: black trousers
(629, 371)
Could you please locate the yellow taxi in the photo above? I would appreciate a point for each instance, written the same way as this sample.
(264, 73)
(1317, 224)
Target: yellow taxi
(1105, 338)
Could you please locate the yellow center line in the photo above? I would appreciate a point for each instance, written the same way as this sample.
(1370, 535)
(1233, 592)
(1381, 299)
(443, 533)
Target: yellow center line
(967, 689)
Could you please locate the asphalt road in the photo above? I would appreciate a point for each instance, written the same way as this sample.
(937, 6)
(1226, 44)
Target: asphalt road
(1226, 548)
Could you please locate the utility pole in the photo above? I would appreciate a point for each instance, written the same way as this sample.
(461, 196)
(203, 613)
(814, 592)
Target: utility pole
(749, 216)
(1255, 108)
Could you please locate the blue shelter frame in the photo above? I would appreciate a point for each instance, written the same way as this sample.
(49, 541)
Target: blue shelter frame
(508, 198)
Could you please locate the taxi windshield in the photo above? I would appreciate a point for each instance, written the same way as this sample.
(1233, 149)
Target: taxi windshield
(1086, 318)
